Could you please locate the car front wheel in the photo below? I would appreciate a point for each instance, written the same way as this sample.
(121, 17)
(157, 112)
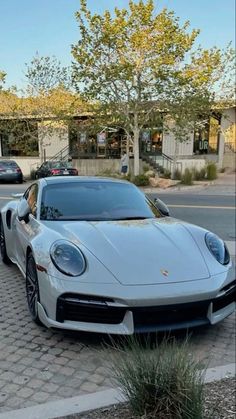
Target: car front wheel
(3, 248)
(32, 288)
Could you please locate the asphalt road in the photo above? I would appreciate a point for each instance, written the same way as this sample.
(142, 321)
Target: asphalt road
(213, 212)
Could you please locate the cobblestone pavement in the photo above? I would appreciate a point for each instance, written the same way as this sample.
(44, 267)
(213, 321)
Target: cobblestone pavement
(38, 365)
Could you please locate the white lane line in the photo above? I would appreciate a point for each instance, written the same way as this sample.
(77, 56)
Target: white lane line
(100, 399)
(200, 206)
(232, 247)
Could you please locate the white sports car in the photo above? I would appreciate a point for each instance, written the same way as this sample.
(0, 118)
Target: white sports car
(99, 256)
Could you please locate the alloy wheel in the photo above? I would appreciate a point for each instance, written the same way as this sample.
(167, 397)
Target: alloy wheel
(32, 288)
(3, 248)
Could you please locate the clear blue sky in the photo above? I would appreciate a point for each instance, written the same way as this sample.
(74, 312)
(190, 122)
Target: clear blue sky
(49, 27)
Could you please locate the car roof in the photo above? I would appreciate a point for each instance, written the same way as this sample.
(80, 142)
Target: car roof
(82, 179)
(7, 161)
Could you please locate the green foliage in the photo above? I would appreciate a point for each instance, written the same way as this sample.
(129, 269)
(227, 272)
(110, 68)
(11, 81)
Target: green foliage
(211, 171)
(166, 174)
(187, 177)
(146, 168)
(44, 74)
(131, 63)
(2, 78)
(177, 175)
(199, 174)
(140, 180)
(161, 382)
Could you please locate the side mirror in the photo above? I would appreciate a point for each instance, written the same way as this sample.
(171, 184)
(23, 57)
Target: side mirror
(23, 210)
(162, 207)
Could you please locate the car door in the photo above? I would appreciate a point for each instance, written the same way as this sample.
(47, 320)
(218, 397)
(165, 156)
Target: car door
(25, 231)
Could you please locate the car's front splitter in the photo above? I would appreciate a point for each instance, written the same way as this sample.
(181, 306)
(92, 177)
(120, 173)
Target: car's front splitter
(129, 326)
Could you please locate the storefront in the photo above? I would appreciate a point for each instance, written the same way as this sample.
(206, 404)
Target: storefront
(109, 143)
(151, 141)
(206, 139)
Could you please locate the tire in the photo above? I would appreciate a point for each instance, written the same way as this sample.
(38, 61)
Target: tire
(32, 289)
(3, 248)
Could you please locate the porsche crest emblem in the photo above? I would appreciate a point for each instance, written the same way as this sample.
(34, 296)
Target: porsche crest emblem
(164, 272)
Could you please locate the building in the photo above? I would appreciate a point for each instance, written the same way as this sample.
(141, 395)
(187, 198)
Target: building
(32, 142)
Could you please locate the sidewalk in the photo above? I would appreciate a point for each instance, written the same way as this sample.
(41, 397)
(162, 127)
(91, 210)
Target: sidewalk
(101, 399)
(225, 184)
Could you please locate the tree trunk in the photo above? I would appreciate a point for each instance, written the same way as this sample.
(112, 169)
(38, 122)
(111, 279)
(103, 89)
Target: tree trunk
(136, 152)
(136, 132)
(174, 167)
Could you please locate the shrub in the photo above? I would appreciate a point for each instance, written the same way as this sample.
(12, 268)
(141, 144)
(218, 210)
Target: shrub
(211, 171)
(177, 175)
(164, 382)
(141, 180)
(107, 173)
(166, 174)
(146, 168)
(200, 174)
(127, 177)
(187, 177)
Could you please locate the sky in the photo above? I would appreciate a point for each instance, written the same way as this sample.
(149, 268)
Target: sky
(49, 27)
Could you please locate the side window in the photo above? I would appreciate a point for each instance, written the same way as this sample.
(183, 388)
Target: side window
(32, 198)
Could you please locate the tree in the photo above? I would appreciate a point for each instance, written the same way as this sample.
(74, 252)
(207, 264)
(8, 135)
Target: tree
(45, 105)
(135, 64)
(2, 78)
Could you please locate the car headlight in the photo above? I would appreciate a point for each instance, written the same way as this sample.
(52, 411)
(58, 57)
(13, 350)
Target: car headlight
(218, 248)
(67, 258)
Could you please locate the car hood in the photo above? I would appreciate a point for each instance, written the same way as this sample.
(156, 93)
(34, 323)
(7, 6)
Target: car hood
(140, 252)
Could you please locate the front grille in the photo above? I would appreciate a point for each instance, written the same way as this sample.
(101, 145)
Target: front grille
(170, 315)
(88, 309)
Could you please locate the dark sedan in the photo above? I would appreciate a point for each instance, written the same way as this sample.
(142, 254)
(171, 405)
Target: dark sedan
(10, 171)
(55, 168)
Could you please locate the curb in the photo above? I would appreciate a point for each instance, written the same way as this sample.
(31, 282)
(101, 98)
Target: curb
(100, 399)
(176, 188)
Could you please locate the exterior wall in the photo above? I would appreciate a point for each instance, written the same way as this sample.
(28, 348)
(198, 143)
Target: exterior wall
(169, 145)
(91, 167)
(197, 164)
(52, 139)
(229, 161)
(228, 120)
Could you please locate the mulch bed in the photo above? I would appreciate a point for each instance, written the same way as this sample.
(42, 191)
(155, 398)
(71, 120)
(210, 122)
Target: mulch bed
(220, 403)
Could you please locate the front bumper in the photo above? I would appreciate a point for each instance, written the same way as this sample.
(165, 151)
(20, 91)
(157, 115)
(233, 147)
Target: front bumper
(142, 311)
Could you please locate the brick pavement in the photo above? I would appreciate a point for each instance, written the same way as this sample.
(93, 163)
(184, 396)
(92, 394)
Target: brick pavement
(38, 365)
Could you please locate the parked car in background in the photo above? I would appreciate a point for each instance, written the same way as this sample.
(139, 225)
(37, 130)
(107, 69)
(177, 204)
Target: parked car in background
(10, 171)
(55, 168)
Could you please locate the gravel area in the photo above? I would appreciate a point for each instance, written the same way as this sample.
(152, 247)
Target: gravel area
(220, 403)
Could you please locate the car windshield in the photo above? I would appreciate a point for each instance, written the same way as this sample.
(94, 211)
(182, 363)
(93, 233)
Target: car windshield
(95, 201)
(59, 164)
(8, 164)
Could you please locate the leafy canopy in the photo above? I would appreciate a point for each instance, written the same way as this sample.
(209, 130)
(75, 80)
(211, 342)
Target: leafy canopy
(135, 62)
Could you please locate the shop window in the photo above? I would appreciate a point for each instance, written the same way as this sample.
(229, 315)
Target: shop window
(206, 139)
